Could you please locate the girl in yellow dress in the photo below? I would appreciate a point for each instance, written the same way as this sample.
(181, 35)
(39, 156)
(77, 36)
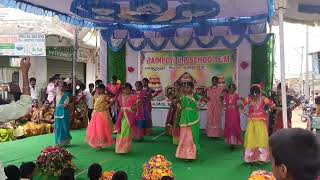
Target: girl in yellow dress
(256, 138)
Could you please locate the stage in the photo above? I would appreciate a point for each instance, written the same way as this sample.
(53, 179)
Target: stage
(215, 161)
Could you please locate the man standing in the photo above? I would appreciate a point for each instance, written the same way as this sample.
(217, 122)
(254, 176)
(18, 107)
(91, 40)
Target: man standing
(15, 90)
(51, 89)
(33, 89)
(89, 99)
(91, 89)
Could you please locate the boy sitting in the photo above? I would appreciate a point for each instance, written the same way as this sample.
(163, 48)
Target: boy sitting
(295, 154)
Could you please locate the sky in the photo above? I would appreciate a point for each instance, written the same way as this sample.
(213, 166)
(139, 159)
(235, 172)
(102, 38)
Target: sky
(294, 39)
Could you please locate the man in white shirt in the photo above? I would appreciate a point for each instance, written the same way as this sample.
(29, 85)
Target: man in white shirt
(89, 99)
(20, 108)
(51, 89)
(33, 89)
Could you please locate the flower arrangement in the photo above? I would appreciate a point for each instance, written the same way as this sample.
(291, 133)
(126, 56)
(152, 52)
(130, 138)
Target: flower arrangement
(53, 159)
(261, 175)
(157, 167)
(107, 175)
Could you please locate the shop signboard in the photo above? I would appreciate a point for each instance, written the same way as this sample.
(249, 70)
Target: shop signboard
(23, 45)
(66, 54)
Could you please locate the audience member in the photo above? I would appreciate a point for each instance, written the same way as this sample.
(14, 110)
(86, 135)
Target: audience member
(120, 175)
(18, 109)
(33, 89)
(51, 89)
(2, 173)
(12, 172)
(67, 174)
(166, 178)
(95, 172)
(27, 170)
(15, 90)
(91, 89)
(89, 99)
(295, 154)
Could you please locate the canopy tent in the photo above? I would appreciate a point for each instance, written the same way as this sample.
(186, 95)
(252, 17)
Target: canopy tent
(103, 13)
(161, 18)
(297, 11)
(137, 22)
(301, 11)
(21, 22)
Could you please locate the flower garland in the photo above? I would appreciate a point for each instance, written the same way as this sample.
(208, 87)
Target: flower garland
(53, 159)
(261, 175)
(156, 168)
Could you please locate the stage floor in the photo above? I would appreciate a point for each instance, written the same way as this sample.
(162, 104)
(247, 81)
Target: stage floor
(215, 160)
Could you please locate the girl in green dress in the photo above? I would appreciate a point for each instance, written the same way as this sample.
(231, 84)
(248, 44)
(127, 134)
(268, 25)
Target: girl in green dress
(189, 123)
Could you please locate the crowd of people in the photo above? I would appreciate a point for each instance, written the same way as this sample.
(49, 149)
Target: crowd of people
(27, 171)
(124, 110)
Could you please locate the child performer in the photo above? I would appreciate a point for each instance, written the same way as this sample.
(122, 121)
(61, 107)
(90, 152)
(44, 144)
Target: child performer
(100, 128)
(256, 137)
(232, 130)
(171, 116)
(114, 88)
(215, 107)
(126, 120)
(177, 113)
(189, 124)
(149, 94)
(140, 121)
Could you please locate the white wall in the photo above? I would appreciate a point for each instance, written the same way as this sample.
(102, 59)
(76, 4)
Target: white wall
(90, 73)
(38, 70)
(103, 58)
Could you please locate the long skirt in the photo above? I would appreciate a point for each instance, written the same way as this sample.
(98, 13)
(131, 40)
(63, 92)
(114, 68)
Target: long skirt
(214, 123)
(175, 134)
(140, 129)
(148, 118)
(232, 130)
(279, 121)
(187, 148)
(170, 120)
(99, 131)
(256, 141)
(62, 129)
(124, 137)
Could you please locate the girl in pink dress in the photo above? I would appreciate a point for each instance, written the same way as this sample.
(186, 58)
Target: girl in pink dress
(114, 88)
(232, 130)
(125, 126)
(140, 120)
(100, 128)
(149, 94)
(213, 128)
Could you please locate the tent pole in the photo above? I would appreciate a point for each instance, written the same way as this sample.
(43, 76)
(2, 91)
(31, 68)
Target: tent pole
(282, 66)
(307, 88)
(74, 61)
(301, 72)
